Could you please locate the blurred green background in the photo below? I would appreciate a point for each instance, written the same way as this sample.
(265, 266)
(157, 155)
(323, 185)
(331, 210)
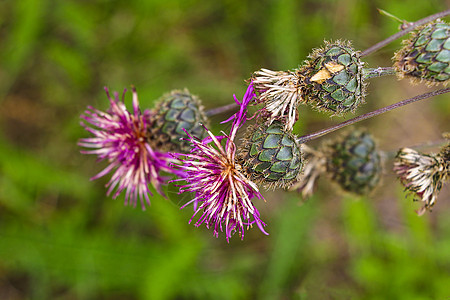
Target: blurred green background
(62, 238)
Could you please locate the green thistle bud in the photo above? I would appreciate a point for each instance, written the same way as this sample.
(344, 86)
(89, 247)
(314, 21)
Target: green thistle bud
(426, 55)
(333, 78)
(354, 162)
(176, 111)
(271, 156)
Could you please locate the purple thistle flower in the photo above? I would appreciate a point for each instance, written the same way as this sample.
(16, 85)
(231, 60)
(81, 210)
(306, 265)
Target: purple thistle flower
(120, 137)
(222, 191)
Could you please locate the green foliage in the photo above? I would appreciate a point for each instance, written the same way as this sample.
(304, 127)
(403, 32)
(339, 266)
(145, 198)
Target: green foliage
(399, 265)
(289, 258)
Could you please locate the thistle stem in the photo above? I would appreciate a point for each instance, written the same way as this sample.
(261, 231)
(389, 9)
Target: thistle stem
(221, 109)
(401, 33)
(377, 72)
(418, 147)
(315, 135)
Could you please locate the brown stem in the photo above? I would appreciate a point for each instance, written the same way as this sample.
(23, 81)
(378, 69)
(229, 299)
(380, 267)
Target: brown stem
(401, 33)
(315, 135)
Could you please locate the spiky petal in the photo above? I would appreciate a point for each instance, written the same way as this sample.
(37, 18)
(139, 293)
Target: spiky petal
(280, 93)
(120, 137)
(222, 191)
(422, 174)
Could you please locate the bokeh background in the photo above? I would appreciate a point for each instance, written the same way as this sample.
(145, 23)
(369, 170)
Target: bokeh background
(61, 237)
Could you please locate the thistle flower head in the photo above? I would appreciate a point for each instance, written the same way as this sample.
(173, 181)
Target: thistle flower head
(175, 112)
(425, 56)
(423, 174)
(271, 156)
(120, 137)
(354, 161)
(222, 191)
(333, 78)
(279, 91)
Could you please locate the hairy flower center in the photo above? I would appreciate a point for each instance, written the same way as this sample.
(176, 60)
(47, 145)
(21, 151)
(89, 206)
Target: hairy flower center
(139, 128)
(228, 169)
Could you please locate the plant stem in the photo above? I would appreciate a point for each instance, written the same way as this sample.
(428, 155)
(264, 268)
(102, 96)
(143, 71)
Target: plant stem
(418, 147)
(377, 72)
(405, 24)
(401, 33)
(315, 135)
(221, 109)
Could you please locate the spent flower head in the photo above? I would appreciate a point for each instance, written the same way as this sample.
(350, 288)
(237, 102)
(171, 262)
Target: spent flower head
(315, 166)
(280, 93)
(223, 192)
(120, 137)
(423, 174)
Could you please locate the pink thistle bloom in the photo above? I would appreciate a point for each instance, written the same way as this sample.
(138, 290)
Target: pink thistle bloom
(222, 191)
(120, 137)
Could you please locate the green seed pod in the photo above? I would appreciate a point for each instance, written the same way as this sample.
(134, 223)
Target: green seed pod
(333, 78)
(426, 55)
(176, 111)
(271, 156)
(354, 162)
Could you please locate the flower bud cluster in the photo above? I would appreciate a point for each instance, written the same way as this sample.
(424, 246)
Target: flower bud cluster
(152, 147)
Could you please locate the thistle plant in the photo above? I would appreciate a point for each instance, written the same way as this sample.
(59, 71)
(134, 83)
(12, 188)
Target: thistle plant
(271, 156)
(224, 176)
(426, 55)
(423, 174)
(315, 166)
(332, 79)
(216, 179)
(176, 112)
(280, 93)
(121, 138)
(353, 161)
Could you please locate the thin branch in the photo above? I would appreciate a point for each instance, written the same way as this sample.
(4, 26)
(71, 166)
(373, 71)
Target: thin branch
(404, 31)
(418, 147)
(315, 135)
